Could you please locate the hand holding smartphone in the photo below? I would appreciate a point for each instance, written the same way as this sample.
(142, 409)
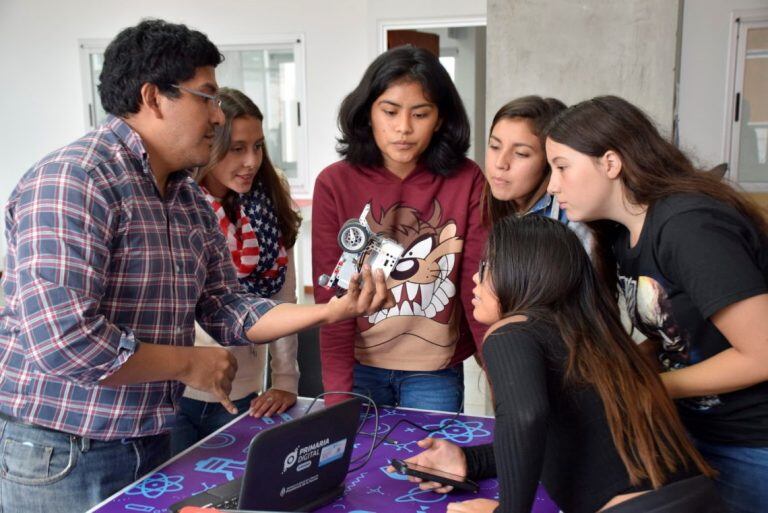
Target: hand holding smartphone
(431, 474)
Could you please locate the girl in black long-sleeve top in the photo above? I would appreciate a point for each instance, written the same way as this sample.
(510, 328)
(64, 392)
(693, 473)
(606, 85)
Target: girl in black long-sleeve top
(577, 407)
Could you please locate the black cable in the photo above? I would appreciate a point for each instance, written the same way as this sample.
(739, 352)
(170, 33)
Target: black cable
(417, 426)
(375, 444)
(370, 403)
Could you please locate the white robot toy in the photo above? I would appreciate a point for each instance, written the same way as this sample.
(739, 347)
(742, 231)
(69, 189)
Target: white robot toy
(360, 246)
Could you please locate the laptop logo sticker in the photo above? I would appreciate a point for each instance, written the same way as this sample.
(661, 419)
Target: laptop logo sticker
(332, 452)
(290, 460)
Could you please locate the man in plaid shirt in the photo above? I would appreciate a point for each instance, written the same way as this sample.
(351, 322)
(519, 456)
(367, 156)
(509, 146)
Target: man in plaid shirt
(113, 253)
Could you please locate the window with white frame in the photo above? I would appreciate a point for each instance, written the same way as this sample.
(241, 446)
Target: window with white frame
(270, 72)
(748, 148)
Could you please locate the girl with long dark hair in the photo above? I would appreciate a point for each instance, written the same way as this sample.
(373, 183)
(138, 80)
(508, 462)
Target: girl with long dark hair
(516, 167)
(689, 255)
(253, 205)
(404, 136)
(577, 407)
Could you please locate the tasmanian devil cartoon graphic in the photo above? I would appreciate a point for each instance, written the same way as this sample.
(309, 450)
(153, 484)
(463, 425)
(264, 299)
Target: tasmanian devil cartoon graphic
(422, 283)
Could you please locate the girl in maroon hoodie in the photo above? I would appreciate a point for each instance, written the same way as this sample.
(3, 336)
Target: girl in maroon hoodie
(404, 135)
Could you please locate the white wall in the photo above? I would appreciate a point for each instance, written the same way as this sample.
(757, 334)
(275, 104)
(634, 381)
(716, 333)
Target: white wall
(42, 100)
(703, 76)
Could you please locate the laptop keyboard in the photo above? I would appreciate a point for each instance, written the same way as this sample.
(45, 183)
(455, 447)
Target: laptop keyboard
(230, 503)
(225, 496)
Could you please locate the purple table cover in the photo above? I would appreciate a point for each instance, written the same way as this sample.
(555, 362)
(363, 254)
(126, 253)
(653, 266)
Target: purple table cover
(221, 457)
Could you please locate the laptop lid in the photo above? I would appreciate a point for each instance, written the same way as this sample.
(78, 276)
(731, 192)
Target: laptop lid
(301, 465)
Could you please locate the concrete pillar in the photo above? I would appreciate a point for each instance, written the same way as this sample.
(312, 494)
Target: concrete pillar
(574, 50)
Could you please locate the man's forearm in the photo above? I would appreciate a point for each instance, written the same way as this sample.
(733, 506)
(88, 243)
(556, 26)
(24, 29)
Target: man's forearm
(150, 362)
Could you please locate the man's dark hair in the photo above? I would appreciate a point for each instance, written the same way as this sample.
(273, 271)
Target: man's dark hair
(407, 63)
(155, 52)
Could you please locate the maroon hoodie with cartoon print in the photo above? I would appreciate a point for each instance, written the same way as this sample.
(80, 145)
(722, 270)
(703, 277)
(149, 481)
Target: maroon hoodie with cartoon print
(437, 220)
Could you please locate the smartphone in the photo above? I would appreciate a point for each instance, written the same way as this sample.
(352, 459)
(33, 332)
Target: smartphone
(431, 474)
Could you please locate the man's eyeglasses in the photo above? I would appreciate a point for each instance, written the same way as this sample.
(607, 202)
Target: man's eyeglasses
(212, 99)
(481, 270)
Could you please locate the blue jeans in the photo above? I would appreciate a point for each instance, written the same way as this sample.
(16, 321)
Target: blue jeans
(198, 419)
(441, 390)
(743, 478)
(44, 471)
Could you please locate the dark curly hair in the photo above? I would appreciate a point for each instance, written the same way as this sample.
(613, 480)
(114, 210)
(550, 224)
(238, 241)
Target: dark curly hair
(449, 144)
(155, 52)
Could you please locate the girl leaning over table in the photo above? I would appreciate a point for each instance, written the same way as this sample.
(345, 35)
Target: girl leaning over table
(577, 405)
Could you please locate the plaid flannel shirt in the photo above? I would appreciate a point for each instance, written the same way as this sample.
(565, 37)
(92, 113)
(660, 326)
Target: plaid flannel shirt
(98, 261)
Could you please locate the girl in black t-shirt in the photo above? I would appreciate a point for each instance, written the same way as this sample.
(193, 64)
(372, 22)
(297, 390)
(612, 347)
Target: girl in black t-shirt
(576, 405)
(692, 261)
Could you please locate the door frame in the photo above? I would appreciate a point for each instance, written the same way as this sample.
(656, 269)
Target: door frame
(425, 23)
